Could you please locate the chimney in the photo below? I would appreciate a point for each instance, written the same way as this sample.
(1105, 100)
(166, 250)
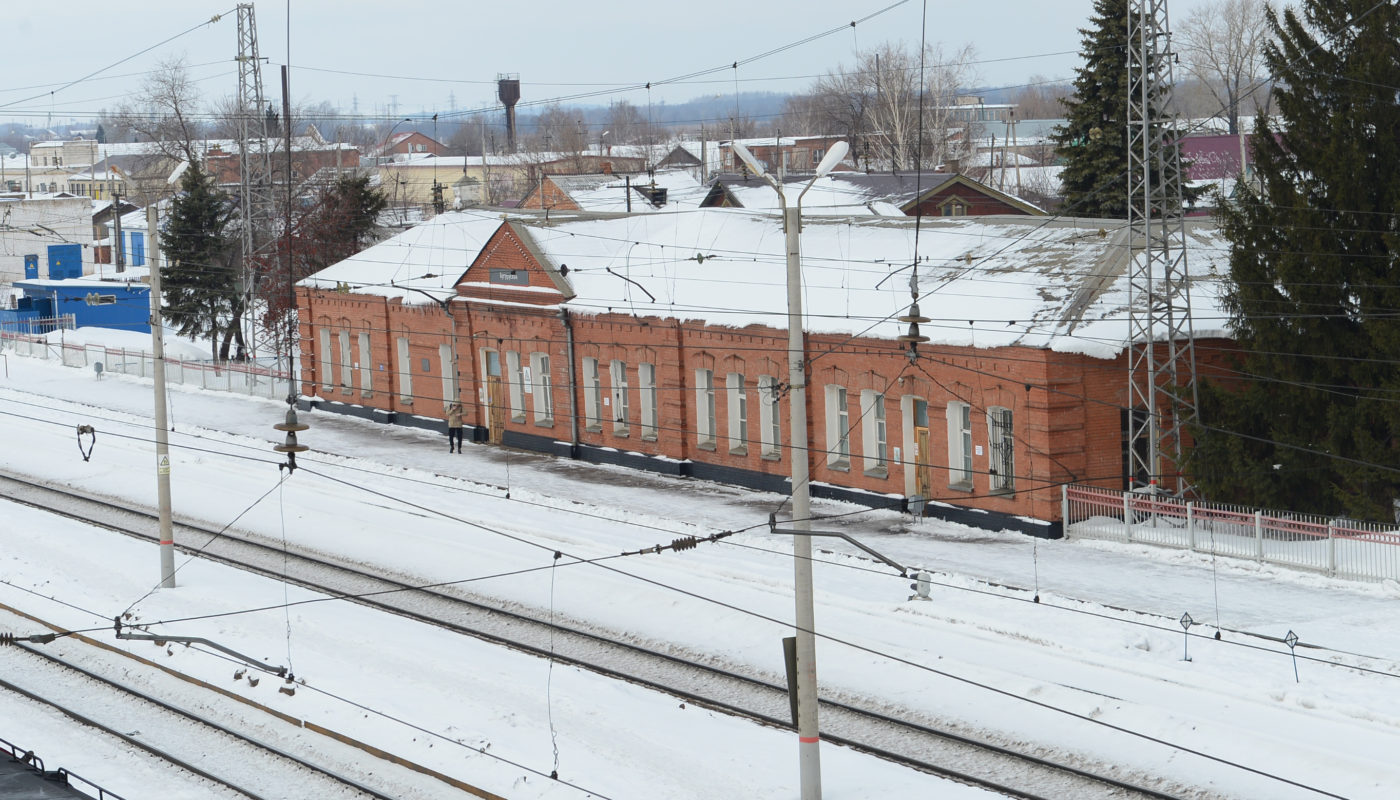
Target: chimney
(953, 165)
(607, 167)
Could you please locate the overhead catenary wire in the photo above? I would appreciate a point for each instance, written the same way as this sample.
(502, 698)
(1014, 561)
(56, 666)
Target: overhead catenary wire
(982, 685)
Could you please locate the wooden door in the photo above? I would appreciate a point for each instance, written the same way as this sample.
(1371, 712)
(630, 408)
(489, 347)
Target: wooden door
(923, 472)
(495, 409)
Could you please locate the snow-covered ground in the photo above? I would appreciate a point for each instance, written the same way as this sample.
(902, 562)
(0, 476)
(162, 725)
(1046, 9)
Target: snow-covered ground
(1102, 644)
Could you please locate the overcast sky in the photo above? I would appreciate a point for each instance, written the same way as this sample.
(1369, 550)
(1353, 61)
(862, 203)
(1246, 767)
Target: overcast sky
(445, 52)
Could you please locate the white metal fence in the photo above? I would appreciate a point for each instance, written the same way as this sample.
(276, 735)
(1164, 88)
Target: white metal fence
(254, 379)
(1339, 547)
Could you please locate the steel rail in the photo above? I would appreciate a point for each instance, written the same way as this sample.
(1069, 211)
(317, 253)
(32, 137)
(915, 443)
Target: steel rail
(774, 694)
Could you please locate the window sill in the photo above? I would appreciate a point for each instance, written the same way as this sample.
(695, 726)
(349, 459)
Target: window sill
(593, 428)
(622, 434)
(877, 472)
(1005, 491)
(648, 437)
(366, 394)
(771, 457)
(544, 423)
(839, 466)
(520, 420)
(960, 487)
(741, 450)
(706, 446)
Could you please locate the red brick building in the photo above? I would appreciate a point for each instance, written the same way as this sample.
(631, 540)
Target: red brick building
(309, 156)
(659, 342)
(409, 143)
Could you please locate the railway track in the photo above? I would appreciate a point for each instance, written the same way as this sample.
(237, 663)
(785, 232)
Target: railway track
(234, 751)
(919, 744)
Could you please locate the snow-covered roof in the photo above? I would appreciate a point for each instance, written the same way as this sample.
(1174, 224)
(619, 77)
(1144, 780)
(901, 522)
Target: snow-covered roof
(1057, 283)
(608, 193)
(1052, 283)
(132, 277)
(420, 265)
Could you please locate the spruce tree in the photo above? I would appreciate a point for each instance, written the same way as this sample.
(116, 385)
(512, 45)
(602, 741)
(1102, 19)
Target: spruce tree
(1094, 138)
(1311, 420)
(200, 282)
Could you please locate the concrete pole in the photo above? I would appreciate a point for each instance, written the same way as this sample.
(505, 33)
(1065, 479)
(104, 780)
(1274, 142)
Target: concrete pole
(167, 538)
(808, 735)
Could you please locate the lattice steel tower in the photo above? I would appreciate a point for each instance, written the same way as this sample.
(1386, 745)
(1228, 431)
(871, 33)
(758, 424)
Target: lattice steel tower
(1161, 356)
(255, 168)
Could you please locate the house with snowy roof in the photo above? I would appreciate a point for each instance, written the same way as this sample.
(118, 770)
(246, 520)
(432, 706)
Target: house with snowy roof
(658, 341)
(670, 189)
(939, 194)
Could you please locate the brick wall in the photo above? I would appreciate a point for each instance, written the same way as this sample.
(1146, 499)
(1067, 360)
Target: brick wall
(1065, 408)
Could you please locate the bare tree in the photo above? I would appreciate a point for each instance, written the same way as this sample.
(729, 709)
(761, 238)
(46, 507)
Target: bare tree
(166, 111)
(559, 130)
(625, 124)
(877, 104)
(1041, 98)
(1222, 46)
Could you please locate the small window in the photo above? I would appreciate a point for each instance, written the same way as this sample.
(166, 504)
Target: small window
(405, 372)
(705, 408)
(325, 366)
(955, 207)
(620, 406)
(447, 359)
(646, 385)
(592, 396)
(873, 433)
(770, 428)
(427, 365)
(366, 374)
(543, 394)
(960, 445)
(738, 412)
(346, 362)
(1001, 468)
(838, 428)
(517, 386)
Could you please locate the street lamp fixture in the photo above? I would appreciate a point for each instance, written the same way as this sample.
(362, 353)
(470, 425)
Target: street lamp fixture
(808, 735)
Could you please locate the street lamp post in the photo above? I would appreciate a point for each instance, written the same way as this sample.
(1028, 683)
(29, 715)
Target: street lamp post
(384, 147)
(808, 733)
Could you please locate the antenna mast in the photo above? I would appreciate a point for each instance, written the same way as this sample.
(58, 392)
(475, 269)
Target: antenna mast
(1161, 349)
(255, 165)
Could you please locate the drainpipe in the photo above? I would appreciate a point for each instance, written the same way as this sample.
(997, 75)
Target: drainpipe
(391, 347)
(573, 382)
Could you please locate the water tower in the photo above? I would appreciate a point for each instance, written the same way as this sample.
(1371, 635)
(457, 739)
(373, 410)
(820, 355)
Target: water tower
(508, 89)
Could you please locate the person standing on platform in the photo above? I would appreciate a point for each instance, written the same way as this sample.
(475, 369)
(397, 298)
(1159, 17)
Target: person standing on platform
(454, 427)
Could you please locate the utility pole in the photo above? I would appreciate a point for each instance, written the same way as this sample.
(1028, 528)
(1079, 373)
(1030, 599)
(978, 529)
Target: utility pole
(1162, 392)
(117, 256)
(256, 203)
(167, 537)
(808, 732)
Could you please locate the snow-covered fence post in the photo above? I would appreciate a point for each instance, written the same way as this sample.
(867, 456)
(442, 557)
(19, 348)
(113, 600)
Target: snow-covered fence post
(1259, 535)
(1128, 516)
(1331, 549)
(1064, 507)
(1191, 523)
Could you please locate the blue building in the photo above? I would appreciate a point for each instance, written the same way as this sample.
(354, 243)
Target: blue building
(121, 305)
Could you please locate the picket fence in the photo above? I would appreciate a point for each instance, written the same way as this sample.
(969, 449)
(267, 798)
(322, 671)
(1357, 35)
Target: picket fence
(255, 379)
(1339, 547)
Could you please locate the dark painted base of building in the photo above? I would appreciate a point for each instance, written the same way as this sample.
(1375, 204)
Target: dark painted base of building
(758, 481)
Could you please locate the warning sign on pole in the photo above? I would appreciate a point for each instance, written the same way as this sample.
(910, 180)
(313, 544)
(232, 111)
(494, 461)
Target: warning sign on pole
(163, 465)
